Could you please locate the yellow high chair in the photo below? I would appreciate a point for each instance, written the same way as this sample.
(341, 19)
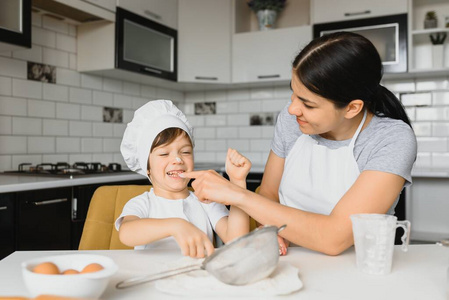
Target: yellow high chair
(105, 207)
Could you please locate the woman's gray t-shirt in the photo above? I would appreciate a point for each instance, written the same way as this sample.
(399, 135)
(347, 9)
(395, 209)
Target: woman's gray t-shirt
(386, 144)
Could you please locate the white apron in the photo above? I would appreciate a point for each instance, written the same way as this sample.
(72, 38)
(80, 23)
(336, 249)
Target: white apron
(316, 177)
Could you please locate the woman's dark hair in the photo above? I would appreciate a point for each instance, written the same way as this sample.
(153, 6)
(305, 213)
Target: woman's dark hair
(167, 136)
(345, 66)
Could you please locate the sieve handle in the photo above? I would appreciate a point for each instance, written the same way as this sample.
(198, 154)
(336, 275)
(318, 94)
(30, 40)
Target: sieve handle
(282, 228)
(152, 277)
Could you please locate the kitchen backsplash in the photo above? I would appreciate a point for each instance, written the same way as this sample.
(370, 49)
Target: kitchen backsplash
(426, 102)
(64, 121)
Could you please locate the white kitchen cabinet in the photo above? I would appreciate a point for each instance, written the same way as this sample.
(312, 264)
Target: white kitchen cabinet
(161, 11)
(79, 11)
(324, 11)
(427, 208)
(267, 55)
(107, 4)
(421, 53)
(204, 39)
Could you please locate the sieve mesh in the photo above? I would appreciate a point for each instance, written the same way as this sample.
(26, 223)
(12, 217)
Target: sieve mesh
(247, 259)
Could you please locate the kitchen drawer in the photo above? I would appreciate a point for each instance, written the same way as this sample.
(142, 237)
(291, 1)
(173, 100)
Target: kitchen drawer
(355, 9)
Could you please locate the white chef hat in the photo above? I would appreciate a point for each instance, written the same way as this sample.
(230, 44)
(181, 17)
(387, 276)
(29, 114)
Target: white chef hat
(148, 121)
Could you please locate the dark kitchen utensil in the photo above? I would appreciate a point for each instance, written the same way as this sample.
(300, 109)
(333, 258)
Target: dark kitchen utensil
(245, 260)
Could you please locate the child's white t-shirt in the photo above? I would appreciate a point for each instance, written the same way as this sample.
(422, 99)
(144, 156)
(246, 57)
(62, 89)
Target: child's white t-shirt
(148, 205)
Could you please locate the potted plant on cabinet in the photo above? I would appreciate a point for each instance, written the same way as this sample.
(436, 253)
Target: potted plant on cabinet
(266, 11)
(431, 20)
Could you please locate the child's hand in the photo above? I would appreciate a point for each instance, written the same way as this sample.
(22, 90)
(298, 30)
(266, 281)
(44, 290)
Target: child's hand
(192, 241)
(237, 166)
(283, 245)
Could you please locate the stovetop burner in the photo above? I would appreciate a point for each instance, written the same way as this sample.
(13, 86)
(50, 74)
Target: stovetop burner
(63, 168)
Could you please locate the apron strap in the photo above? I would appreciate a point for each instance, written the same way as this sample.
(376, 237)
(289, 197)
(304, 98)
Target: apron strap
(354, 138)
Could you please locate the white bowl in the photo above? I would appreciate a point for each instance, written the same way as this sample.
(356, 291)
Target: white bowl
(88, 285)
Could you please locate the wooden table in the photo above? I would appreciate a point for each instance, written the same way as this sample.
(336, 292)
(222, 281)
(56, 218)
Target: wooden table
(421, 273)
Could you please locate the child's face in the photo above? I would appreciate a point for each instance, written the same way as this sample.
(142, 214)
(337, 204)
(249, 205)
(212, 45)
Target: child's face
(165, 167)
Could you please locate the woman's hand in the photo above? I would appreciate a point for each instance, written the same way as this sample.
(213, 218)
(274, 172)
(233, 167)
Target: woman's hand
(192, 241)
(283, 245)
(211, 186)
(237, 166)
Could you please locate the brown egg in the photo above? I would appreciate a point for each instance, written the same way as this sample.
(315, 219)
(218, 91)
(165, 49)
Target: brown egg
(70, 272)
(93, 267)
(46, 268)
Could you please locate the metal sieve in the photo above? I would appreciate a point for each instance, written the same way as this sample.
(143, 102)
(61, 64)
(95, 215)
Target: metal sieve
(244, 260)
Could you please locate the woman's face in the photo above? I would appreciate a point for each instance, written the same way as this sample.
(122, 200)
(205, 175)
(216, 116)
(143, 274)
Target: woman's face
(165, 167)
(314, 114)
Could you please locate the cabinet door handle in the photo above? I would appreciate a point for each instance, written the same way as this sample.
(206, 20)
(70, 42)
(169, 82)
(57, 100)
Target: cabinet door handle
(74, 208)
(3, 207)
(152, 14)
(47, 202)
(365, 12)
(268, 76)
(150, 70)
(254, 180)
(205, 78)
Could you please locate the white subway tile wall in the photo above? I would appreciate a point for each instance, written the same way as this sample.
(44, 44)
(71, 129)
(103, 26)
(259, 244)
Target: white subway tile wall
(48, 123)
(426, 102)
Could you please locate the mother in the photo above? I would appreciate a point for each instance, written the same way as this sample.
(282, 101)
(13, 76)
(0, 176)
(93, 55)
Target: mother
(343, 145)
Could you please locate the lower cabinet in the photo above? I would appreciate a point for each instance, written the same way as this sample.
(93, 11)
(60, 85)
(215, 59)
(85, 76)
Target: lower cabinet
(427, 209)
(47, 219)
(43, 219)
(7, 224)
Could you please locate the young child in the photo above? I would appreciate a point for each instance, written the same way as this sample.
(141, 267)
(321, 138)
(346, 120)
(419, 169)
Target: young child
(158, 144)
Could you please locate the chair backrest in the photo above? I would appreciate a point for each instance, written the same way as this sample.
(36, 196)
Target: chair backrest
(105, 207)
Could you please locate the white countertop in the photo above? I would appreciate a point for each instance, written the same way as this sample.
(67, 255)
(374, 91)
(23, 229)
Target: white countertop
(14, 183)
(420, 273)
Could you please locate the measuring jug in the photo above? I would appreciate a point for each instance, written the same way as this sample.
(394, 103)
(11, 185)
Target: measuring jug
(374, 241)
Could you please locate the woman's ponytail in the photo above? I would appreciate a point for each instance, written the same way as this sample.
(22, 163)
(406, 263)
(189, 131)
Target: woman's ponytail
(386, 104)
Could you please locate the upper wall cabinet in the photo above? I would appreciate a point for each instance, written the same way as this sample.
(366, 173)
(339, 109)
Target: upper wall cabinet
(259, 56)
(324, 11)
(204, 35)
(107, 4)
(161, 11)
(15, 24)
(427, 56)
(267, 56)
(78, 11)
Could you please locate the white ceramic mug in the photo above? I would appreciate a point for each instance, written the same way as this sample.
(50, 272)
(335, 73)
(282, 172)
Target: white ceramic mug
(374, 241)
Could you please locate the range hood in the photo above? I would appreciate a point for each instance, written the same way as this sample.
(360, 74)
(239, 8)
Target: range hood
(73, 11)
